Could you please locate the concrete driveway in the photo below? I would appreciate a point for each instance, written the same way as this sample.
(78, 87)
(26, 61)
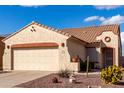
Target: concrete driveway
(8, 80)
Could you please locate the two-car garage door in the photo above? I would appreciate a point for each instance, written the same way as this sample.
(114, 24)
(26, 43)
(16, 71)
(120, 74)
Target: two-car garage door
(45, 59)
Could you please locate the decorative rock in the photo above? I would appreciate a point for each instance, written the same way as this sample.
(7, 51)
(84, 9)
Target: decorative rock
(55, 80)
(72, 79)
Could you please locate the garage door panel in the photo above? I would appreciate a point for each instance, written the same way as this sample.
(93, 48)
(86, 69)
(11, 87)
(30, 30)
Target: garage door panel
(36, 59)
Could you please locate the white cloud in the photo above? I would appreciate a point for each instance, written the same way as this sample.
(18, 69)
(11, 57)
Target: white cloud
(122, 37)
(102, 18)
(107, 7)
(117, 19)
(91, 18)
(114, 20)
(35, 6)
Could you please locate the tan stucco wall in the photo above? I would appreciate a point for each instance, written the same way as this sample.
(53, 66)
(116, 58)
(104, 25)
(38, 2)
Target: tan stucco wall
(76, 48)
(73, 48)
(42, 35)
(114, 43)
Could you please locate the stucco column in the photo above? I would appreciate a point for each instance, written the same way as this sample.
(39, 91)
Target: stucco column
(100, 57)
(7, 59)
(116, 57)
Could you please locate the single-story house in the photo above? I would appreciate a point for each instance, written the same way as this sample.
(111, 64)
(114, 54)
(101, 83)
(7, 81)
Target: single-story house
(39, 47)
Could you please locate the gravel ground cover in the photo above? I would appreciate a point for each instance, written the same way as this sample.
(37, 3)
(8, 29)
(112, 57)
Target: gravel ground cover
(82, 81)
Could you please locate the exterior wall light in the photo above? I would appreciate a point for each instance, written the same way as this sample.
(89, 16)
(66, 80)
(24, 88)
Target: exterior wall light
(8, 47)
(63, 44)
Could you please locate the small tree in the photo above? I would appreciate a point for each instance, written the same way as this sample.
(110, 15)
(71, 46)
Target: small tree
(111, 74)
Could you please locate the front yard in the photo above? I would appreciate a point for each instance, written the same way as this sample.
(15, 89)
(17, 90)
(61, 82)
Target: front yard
(81, 82)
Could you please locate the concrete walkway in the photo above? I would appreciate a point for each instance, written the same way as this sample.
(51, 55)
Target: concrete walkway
(8, 80)
(89, 73)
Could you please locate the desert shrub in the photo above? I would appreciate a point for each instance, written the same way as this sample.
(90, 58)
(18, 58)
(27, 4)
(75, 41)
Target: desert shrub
(55, 80)
(65, 73)
(111, 74)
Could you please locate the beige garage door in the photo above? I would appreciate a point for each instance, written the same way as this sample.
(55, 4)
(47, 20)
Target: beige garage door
(36, 59)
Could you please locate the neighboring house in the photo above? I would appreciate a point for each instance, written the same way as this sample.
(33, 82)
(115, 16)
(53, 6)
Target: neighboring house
(39, 47)
(2, 46)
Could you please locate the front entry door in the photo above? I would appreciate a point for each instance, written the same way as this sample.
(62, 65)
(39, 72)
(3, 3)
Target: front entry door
(107, 57)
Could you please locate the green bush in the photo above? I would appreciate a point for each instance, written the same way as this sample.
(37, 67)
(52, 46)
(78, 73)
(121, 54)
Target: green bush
(111, 74)
(65, 73)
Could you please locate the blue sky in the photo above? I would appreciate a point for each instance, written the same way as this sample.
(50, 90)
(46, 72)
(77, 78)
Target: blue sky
(13, 18)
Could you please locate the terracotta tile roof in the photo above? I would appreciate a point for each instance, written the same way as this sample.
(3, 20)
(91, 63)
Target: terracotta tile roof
(30, 45)
(89, 34)
(2, 37)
